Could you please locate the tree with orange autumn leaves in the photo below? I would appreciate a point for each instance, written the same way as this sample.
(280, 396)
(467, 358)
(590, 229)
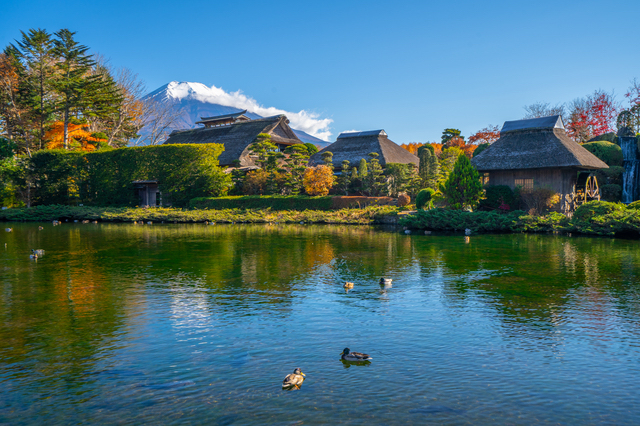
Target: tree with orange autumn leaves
(77, 137)
(318, 180)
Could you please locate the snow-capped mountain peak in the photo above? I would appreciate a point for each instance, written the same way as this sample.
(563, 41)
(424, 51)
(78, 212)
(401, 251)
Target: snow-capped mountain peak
(199, 100)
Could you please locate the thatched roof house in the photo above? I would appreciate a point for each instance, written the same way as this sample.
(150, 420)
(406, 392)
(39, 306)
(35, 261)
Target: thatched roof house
(236, 132)
(353, 146)
(536, 153)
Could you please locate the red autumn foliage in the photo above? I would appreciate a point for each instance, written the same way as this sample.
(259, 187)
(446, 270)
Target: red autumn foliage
(592, 116)
(489, 134)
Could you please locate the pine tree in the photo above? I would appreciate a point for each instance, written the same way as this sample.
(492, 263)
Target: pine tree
(37, 59)
(429, 167)
(362, 168)
(463, 189)
(296, 164)
(344, 180)
(72, 82)
(373, 182)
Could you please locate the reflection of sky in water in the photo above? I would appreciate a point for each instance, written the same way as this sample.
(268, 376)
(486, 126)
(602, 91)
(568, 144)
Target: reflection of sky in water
(194, 324)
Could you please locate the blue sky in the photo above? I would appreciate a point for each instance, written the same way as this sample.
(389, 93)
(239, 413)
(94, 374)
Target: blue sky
(412, 68)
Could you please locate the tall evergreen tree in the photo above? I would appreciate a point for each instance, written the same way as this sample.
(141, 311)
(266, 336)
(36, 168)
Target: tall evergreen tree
(429, 167)
(344, 180)
(36, 55)
(362, 168)
(463, 189)
(72, 82)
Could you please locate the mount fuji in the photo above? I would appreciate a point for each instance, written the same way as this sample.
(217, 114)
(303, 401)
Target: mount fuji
(197, 100)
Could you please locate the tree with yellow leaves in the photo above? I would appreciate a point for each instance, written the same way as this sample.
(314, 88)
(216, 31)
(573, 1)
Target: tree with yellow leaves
(77, 137)
(318, 180)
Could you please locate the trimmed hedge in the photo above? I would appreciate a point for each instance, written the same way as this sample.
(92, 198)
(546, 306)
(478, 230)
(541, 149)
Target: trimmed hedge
(275, 202)
(105, 177)
(594, 218)
(289, 202)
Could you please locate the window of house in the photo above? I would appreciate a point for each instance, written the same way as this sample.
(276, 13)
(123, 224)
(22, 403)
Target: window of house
(526, 184)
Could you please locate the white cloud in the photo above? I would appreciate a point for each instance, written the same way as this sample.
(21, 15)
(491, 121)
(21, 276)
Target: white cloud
(308, 122)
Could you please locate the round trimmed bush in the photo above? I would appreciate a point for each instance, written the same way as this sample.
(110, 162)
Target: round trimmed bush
(499, 197)
(596, 208)
(423, 197)
(608, 152)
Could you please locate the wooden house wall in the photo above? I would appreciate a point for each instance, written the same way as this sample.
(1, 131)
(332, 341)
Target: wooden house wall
(560, 180)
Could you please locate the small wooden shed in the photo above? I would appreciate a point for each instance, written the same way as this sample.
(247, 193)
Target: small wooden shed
(537, 153)
(148, 193)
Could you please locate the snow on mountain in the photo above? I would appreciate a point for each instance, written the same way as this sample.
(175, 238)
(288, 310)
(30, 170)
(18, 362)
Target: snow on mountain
(198, 100)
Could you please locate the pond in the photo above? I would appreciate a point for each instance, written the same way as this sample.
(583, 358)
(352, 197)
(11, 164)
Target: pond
(197, 324)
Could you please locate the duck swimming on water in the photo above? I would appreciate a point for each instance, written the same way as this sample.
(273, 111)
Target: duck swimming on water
(347, 355)
(294, 379)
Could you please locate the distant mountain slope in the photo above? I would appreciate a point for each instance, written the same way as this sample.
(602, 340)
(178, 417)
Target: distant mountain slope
(196, 101)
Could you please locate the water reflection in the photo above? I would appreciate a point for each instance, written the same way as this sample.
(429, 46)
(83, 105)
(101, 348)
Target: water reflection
(176, 308)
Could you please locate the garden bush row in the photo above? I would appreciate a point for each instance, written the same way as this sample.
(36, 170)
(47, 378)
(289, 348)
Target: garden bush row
(594, 218)
(363, 216)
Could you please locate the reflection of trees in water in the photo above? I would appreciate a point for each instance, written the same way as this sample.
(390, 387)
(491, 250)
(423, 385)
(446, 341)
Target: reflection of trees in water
(534, 280)
(61, 312)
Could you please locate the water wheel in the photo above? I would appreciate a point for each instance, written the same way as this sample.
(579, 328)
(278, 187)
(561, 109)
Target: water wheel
(591, 189)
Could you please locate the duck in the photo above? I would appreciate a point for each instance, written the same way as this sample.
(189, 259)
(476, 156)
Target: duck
(40, 228)
(386, 282)
(38, 252)
(347, 355)
(33, 256)
(294, 379)
(348, 285)
(8, 229)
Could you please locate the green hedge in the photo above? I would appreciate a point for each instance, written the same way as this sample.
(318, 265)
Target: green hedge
(275, 202)
(184, 171)
(594, 217)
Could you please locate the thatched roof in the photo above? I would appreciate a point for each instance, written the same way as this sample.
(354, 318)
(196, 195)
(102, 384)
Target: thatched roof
(357, 145)
(237, 137)
(534, 144)
(223, 119)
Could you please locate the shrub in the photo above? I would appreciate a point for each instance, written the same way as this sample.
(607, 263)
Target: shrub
(608, 152)
(611, 192)
(455, 220)
(634, 206)
(318, 180)
(462, 188)
(589, 210)
(403, 200)
(498, 197)
(540, 200)
(255, 182)
(424, 198)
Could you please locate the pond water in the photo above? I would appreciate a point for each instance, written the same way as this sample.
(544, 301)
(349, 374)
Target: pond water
(196, 324)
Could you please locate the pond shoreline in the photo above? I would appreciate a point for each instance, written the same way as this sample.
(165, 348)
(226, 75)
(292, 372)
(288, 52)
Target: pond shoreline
(621, 224)
(366, 216)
